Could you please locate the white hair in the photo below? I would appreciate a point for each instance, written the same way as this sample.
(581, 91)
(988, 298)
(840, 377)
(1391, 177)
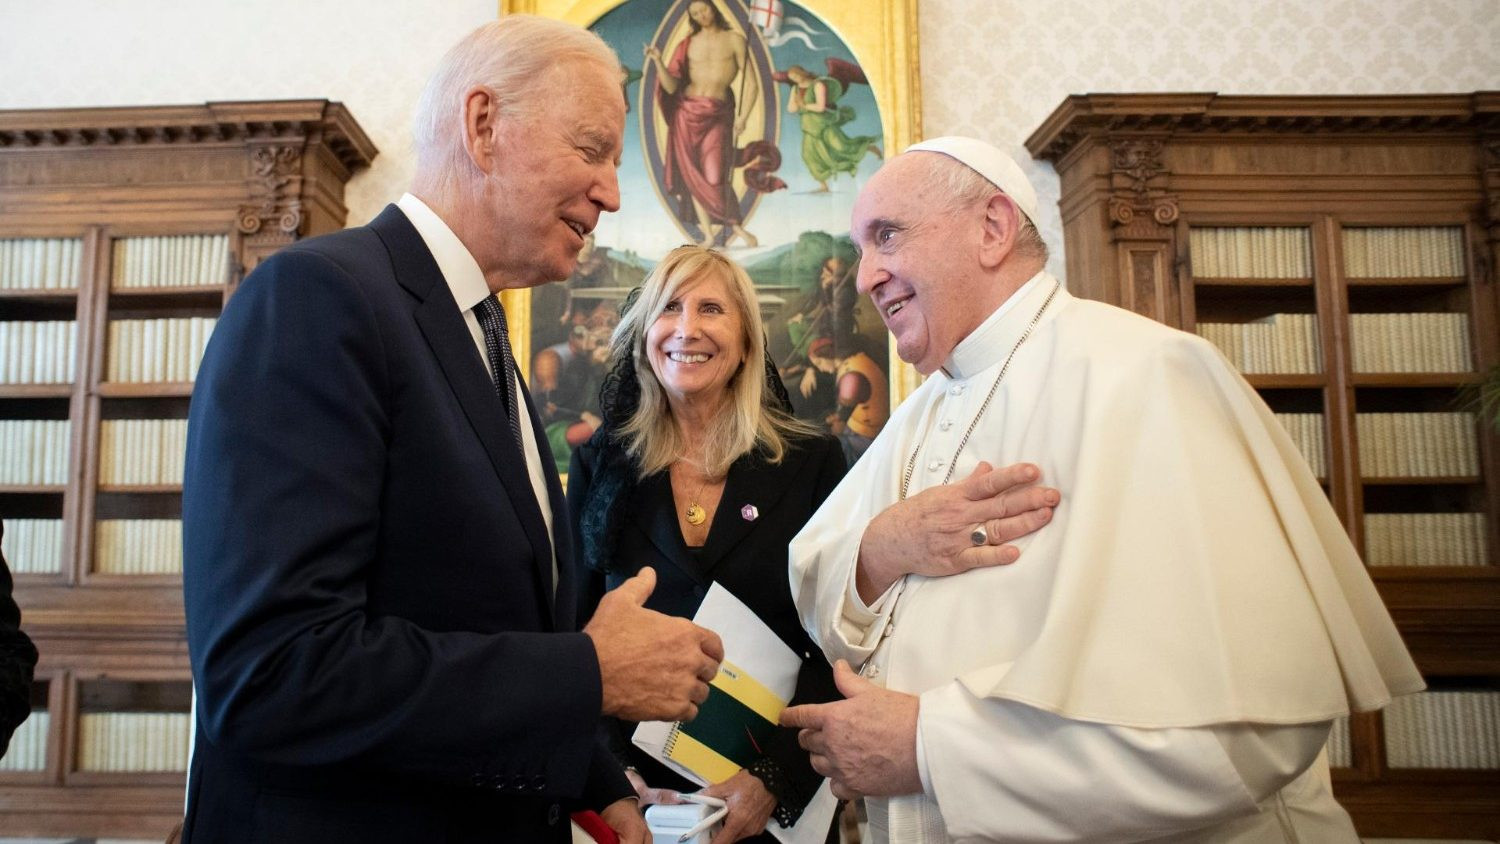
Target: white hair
(509, 57)
(965, 186)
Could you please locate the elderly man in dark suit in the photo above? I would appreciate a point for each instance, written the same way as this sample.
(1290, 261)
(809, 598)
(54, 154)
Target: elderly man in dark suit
(379, 584)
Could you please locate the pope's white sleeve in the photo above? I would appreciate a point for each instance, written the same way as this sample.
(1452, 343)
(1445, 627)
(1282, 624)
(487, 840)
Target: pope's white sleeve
(861, 624)
(1003, 770)
(824, 559)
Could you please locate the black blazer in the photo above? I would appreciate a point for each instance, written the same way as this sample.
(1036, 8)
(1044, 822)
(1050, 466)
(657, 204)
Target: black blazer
(375, 641)
(748, 557)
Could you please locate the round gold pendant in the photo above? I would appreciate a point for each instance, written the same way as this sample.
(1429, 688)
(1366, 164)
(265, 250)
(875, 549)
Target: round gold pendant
(695, 514)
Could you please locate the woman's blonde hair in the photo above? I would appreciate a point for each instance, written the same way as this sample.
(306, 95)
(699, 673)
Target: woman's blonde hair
(752, 416)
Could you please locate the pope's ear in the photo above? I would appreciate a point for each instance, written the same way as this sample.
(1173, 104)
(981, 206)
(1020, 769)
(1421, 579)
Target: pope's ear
(1000, 227)
(482, 119)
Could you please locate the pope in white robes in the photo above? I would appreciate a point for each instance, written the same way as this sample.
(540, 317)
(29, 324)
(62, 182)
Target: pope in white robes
(1164, 660)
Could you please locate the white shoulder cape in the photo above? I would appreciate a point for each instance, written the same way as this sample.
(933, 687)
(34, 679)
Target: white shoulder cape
(1194, 573)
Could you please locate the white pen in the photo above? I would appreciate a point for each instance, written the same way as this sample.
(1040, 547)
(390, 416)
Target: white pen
(718, 815)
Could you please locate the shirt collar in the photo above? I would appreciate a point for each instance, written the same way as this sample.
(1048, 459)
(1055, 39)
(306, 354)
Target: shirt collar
(992, 340)
(453, 259)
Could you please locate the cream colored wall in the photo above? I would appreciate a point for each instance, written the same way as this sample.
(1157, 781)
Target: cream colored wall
(373, 55)
(992, 68)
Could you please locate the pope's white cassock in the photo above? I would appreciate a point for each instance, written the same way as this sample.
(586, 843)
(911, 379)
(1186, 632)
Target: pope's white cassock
(1165, 659)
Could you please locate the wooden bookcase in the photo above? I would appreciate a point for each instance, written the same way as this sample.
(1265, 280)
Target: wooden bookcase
(110, 215)
(1216, 214)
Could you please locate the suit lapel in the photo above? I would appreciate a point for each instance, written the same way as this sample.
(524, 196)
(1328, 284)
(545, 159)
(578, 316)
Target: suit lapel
(661, 525)
(752, 482)
(443, 327)
(564, 604)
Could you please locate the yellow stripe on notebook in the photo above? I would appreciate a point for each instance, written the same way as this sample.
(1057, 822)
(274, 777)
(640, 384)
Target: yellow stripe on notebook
(747, 690)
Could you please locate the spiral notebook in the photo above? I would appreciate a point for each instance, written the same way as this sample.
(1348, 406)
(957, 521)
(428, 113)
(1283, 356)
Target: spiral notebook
(732, 727)
(756, 679)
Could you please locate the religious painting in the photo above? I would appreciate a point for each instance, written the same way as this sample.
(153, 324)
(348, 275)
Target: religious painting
(751, 126)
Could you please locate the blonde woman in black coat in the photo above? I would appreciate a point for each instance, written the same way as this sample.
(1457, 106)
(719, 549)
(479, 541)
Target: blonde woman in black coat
(701, 472)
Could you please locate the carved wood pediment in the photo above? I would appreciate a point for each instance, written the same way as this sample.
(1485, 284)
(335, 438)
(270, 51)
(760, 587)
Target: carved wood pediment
(266, 121)
(1174, 115)
(1138, 182)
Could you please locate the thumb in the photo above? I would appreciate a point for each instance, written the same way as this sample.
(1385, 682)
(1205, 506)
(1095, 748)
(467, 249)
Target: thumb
(849, 683)
(637, 589)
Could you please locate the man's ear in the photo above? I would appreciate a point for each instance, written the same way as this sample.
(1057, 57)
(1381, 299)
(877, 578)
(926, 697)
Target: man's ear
(998, 230)
(481, 126)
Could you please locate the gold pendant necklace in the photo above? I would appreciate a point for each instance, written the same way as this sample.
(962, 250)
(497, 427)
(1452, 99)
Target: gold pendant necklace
(695, 512)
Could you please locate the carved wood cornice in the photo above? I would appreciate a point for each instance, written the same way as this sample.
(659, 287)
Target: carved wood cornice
(1490, 176)
(269, 121)
(275, 187)
(1139, 183)
(1172, 115)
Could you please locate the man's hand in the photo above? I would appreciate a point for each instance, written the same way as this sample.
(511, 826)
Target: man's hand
(624, 817)
(867, 743)
(750, 806)
(653, 667)
(930, 532)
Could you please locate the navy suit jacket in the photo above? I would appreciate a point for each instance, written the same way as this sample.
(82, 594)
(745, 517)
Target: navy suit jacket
(376, 642)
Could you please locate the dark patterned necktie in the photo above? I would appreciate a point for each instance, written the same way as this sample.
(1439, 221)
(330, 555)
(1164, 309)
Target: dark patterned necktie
(497, 342)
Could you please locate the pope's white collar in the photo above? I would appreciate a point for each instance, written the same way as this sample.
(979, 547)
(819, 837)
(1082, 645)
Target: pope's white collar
(987, 343)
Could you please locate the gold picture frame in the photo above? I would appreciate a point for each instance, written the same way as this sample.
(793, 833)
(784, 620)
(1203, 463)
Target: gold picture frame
(880, 36)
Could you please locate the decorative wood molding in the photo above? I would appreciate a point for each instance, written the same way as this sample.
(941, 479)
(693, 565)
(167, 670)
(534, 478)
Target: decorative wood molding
(212, 123)
(271, 171)
(274, 185)
(1136, 166)
(1490, 175)
(1210, 113)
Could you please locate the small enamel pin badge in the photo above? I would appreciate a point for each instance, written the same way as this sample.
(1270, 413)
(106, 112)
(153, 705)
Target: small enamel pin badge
(749, 513)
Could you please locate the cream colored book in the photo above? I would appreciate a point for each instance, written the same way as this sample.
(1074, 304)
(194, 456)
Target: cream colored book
(202, 252)
(122, 354)
(70, 265)
(71, 358)
(28, 274)
(28, 352)
(51, 263)
(153, 345)
(174, 353)
(10, 362)
(28, 745)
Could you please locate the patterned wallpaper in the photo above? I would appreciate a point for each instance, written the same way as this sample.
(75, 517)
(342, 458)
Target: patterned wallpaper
(991, 68)
(373, 55)
(996, 68)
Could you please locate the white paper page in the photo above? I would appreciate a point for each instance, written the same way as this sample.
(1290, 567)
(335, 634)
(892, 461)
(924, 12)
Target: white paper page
(748, 642)
(754, 647)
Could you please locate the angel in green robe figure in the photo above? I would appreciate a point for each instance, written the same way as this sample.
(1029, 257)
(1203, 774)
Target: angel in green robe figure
(826, 150)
